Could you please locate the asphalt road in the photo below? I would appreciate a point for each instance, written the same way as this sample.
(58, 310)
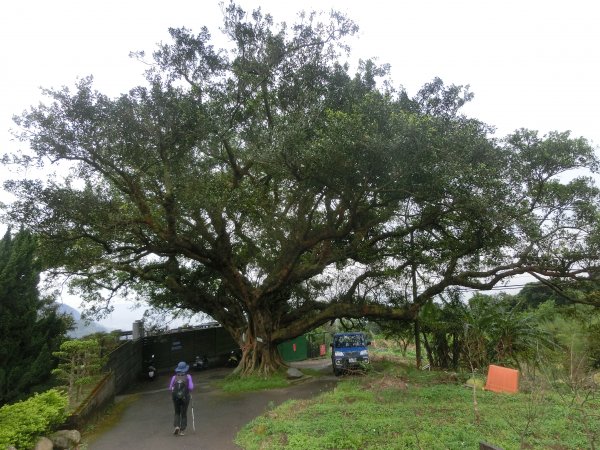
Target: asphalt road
(147, 423)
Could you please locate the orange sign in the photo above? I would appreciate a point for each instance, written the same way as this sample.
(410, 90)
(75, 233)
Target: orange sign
(502, 379)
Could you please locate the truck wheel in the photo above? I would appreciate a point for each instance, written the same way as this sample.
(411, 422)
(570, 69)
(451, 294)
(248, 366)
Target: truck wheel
(337, 372)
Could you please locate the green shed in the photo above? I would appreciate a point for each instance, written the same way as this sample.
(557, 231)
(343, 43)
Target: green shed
(294, 349)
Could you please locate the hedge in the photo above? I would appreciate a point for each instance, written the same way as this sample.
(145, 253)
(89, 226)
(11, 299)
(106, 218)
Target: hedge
(22, 423)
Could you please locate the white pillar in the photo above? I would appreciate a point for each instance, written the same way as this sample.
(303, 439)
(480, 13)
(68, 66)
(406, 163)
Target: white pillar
(137, 330)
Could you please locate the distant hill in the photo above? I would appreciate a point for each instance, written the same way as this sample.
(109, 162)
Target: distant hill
(82, 327)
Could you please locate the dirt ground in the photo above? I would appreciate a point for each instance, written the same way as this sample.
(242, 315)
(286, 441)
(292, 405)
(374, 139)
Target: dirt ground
(147, 423)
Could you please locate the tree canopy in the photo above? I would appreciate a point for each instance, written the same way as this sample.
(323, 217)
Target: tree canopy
(272, 189)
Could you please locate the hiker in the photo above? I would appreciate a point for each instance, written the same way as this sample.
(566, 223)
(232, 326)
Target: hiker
(181, 387)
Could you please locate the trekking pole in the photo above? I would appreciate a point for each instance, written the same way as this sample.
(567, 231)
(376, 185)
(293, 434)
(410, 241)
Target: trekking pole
(193, 418)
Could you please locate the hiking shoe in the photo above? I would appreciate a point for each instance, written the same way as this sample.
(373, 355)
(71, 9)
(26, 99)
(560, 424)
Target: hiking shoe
(181, 433)
(176, 431)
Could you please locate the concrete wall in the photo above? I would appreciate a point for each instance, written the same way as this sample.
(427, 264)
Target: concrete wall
(125, 362)
(123, 368)
(102, 396)
(170, 348)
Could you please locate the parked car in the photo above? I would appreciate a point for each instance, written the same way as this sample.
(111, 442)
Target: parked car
(349, 351)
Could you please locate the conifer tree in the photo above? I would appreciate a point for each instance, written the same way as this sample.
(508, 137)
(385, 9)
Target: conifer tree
(30, 327)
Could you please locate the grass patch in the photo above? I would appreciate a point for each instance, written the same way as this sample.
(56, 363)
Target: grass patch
(234, 383)
(399, 407)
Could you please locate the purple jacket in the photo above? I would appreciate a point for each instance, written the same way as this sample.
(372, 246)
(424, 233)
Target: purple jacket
(190, 383)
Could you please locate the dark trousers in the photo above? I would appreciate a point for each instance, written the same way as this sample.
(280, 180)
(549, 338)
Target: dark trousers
(181, 406)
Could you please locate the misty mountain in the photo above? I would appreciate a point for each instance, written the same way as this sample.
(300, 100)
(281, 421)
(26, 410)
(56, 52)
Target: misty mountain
(82, 327)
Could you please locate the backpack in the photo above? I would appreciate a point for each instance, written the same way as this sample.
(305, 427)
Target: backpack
(180, 387)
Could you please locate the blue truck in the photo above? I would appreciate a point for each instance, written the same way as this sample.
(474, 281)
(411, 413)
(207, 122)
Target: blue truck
(349, 351)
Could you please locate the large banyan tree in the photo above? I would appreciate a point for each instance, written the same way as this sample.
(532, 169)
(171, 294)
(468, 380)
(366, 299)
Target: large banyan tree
(274, 189)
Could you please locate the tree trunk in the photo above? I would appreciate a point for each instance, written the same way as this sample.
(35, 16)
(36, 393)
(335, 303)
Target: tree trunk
(414, 294)
(259, 358)
(428, 350)
(260, 355)
(455, 350)
(417, 332)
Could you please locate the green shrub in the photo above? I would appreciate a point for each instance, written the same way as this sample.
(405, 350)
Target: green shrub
(22, 423)
(594, 344)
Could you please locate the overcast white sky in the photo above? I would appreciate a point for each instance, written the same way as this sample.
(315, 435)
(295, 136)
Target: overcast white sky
(530, 63)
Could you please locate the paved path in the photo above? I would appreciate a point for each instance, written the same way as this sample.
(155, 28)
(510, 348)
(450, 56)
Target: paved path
(147, 423)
